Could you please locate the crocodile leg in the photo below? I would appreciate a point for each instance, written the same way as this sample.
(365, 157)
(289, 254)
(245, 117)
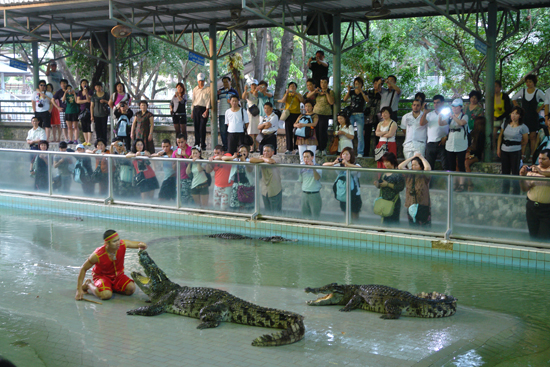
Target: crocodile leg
(354, 302)
(394, 307)
(212, 315)
(152, 310)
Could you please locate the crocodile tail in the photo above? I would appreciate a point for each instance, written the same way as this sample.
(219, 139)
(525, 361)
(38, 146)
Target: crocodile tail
(294, 332)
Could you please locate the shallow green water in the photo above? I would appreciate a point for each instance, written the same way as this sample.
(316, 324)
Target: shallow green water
(39, 254)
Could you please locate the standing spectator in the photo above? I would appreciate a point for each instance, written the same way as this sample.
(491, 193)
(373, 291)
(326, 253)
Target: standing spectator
(64, 173)
(264, 95)
(118, 96)
(142, 127)
(475, 151)
(537, 209)
(253, 121)
(324, 99)
(270, 182)
(178, 110)
(318, 67)
(269, 126)
(222, 182)
(547, 107)
(36, 134)
(389, 97)
(312, 202)
(168, 187)
(199, 183)
(358, 101)
(240, 175)
(99, 111)
(39, 168)
(236, 121)
(71, 114)
(224, 95)
(457, 142)
(54, 75)
(417, 199)
(310, 90)
(437, 135)
(102, 166)
(146, 180)
(475, 109)
(84, 99)
(183, 151)
(371, 113)
(416, 131)
(503, 107)
(390, 185)
(344, 132)
(292, 100)
(58, 97)
(55, 119)
(386, 130)
(308, 120)
(530, 98)
(347, 159)
(511, 144)
(123, 126)
(201, 105)
(41, 105)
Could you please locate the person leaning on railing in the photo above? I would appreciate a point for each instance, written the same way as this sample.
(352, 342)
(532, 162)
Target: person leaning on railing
(145, 179)
(390, 185)
(312, 202)
(100, 174)
(417, 199)
(347, 159)
(240, 175)
(537, 209)
(39, 168)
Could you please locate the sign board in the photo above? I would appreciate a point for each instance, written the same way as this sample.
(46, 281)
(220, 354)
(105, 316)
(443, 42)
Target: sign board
(197, 59)
(481, 47)
(18, 64)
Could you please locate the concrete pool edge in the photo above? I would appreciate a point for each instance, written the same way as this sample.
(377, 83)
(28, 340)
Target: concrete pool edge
(415, 245)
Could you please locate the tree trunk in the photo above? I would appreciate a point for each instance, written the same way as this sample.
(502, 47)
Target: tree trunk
(287, 48)
(259, 60)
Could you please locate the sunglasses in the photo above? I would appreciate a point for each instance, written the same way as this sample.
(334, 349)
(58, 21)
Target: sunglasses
(42, 85)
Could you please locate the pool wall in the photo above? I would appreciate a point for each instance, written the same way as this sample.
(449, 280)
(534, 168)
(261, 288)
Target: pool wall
(456, 250)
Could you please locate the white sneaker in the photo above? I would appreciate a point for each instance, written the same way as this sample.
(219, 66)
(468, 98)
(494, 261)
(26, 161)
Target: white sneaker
(359, 155)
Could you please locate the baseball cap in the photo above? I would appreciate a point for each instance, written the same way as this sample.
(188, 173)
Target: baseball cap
(80, 146)
(53, 62)
(201, 76)
(254, 81)
(457, 102)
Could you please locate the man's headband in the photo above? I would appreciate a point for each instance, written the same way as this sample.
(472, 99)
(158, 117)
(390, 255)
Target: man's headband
(111, 237)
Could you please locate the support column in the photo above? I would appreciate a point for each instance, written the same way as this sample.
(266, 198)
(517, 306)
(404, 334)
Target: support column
(35, 65)
(337, 63)
(212, 34)
(112, 76)
(490, 71)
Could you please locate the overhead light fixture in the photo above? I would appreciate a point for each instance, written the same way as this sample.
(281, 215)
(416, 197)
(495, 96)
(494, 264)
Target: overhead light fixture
(121, 31)
(378, 10)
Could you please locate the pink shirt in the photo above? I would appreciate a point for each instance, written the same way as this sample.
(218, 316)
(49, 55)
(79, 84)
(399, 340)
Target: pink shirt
(183, 166)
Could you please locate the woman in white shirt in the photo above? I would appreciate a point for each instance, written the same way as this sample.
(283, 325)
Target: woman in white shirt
(457, 141)
(199, 183)
(344, 133)
(386, 130)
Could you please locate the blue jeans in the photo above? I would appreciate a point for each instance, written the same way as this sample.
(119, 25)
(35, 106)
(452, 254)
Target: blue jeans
(360, 120)
(223, 131)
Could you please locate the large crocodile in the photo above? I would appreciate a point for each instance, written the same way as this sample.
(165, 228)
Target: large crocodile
(233, 236)
(212, 306)
(391, 302)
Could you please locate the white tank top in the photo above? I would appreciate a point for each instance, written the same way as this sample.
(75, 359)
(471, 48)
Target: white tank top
(386, 129)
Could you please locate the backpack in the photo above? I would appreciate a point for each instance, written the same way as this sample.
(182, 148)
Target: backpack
(80, 173)
(339, 188)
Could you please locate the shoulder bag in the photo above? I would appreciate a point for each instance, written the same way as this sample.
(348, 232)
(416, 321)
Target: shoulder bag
(245, 194)
(334, 146)
(383, 207)
(254, 110)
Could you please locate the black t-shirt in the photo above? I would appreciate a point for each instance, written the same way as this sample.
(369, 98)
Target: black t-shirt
(318, 71)
(357, 102)
(59, 95)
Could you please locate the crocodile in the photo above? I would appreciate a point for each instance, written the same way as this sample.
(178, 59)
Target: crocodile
(390, 301)
(212, 306)
(233, 236)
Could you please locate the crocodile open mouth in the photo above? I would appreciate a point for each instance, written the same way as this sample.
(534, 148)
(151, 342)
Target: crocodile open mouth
(328, 296)
(142, 279)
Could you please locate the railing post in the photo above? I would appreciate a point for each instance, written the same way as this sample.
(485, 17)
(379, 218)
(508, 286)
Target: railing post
(109, 199)
(348, 197)
(0, 111)
(50, 178)
(257, 192)
(449, 207)
(178, 184)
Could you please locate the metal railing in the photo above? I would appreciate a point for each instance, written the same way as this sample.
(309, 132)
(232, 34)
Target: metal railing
(461, 215)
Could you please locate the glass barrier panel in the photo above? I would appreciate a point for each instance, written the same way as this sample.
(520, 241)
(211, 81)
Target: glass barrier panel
(89, 174)
(400, 192)
(25, 171)
(490, 208)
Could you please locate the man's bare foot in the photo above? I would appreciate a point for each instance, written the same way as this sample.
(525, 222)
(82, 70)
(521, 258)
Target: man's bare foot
(85, 285)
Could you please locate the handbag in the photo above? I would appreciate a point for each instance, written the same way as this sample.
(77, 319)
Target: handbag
(254, 110)
(305, 132)
(97, 174)
(84, 114)
(333, 149)
(138, 179)
(245, 194)
(383, 207)
(284, 115)
(379, 152)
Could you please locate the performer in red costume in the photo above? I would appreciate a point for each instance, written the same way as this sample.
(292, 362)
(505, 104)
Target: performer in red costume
(108, 272)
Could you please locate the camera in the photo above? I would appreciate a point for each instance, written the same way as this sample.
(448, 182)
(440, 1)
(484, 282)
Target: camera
(179, 151)
(340, 160)
(142, 153)
(530, 169)
(445, 111)
(239, 155)
(40, 104)
(98, 151)
(119, 144)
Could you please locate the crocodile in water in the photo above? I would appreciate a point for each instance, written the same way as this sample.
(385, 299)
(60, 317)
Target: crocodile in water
(233, 236)
(212, 306)
(391, 302)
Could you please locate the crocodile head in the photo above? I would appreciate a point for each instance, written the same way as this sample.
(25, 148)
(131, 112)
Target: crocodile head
(154, 283)
(334, 293)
